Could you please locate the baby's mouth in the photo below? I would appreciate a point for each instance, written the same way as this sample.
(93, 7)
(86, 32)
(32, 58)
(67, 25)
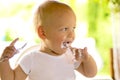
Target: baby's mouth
(65, 44)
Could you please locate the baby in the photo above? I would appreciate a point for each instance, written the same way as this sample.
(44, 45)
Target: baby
(54, 23)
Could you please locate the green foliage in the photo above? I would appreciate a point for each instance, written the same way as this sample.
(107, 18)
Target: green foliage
(8, 36)
(100, 29)
(93, 8)
(22, 10)
(116, 2)
(115, 5)
(14, 9)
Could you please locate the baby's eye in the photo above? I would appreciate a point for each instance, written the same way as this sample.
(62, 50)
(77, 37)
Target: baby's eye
(64, 29)
(74, 28)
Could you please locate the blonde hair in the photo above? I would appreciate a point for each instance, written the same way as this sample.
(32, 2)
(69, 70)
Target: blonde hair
(47, 11)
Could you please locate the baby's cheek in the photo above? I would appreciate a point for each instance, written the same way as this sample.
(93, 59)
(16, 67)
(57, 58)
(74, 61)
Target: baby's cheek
(59, 39)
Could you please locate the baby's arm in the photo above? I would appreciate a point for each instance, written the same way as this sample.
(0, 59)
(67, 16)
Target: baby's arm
(6, 73)
(88, 66)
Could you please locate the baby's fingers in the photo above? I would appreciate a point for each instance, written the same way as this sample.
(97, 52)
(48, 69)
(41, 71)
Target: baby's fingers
(14, 41)
(85, 53)
(77, 53)
(10, 51)
(82, 54)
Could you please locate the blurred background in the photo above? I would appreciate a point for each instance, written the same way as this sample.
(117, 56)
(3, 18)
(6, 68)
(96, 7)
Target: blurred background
(95, 21)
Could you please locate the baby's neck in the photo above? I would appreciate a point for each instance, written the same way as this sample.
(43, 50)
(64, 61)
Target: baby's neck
(50, 52)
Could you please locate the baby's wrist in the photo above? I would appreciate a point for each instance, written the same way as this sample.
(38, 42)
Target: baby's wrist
(4, 58)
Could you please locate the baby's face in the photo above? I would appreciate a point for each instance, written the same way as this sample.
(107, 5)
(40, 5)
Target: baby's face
(61, 31)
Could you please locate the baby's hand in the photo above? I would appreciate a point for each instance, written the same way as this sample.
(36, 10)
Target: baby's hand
(9, 51)
(81, 54)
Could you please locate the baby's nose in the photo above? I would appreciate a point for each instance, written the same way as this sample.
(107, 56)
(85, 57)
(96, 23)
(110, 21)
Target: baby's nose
(71, 34)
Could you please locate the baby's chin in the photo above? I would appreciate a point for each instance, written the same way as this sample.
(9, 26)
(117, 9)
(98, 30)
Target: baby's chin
(62, 50)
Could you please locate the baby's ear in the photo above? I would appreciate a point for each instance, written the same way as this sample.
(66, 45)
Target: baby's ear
(41, 33)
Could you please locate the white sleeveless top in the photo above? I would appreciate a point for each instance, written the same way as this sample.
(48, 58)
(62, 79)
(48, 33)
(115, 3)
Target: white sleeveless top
(41, 66)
